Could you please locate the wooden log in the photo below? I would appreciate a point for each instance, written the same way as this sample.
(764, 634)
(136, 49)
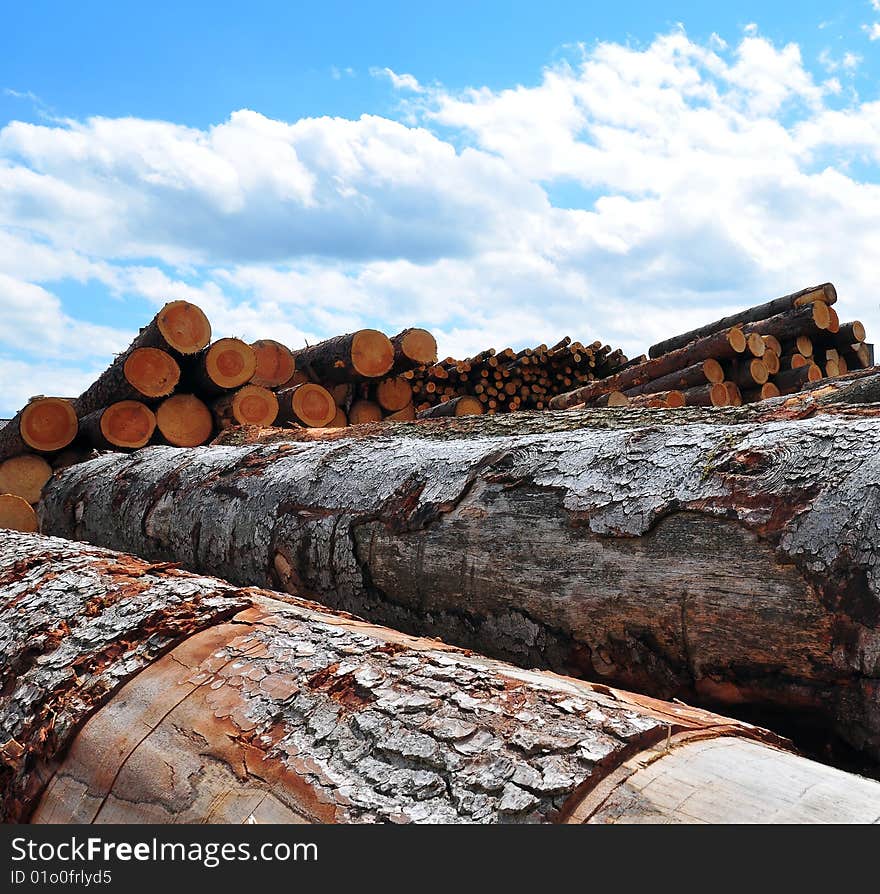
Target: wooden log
(380, 516)
(714, 395)
(298, 378)
(833, 321)
(825, 293)
(832, 368)
(184, 420)
(365, 354)
(660, 399)
(458, 406)
(406, 414)
(721, 345)
(734, 397)
(771, 362)
(138, 374)
(772, 343)
(413, 347)
(613, 399)
(342, 394)
(17, 514)
(307, 404)
(274, 363)
(249, 405)
(180, 328)
(394, 393)
(161, 697)
(793, 360)
(24, 476)
(692, 376)
(804, 345)
(340, 420)
(124, 425)
(749, 374)
(766, 391)
(364, 411)
(812, 320)
(223, 366)
(45, 425)
(848, 334)
(791, 380)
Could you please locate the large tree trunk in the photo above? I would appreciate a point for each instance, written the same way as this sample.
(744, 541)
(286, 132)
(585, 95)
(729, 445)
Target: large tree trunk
(266, 709)
(692, 553)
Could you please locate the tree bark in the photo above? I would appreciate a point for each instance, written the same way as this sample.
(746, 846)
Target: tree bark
(720, 345)
(825, 293)
(413, 347)
(670, 552)
(151, 695)
(812, 320)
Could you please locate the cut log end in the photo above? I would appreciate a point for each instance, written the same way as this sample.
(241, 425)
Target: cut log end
(804, 345)
(419, 346)
(773, 344)
(833, 320)
(184, 421)
(756, 345)
(365, 411)
(858, 331)
(310, 404)
(407, 414)
(737, 340)
(17, 514)
(372, 354)
(24, 476)
(230, 363)
(274, 363)
(184, 326)
(822, 315)
(734, 395)
(340, 420)
(468, 406)
(48, 424)
(254, 405)
(713, 371)
(394, 394)
(128, 424)
(152, 372)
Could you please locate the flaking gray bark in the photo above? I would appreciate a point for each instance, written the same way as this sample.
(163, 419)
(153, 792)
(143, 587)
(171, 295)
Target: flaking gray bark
(732, 559)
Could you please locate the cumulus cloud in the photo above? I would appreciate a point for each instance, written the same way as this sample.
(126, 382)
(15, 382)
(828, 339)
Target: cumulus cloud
(628, 194)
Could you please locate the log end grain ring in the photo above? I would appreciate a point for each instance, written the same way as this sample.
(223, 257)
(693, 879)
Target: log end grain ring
(372, 354)
(184, 327)
(128, 423)
(184, 421)
(16, 514)
(152, 372)
(230, 363)
(24, 476)
(48, 424)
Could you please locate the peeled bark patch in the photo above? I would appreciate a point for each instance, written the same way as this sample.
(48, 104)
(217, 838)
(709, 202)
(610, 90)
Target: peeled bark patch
(728, 559)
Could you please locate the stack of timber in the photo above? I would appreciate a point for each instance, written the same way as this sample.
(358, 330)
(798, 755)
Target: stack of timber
(772, 349)
(156, 696)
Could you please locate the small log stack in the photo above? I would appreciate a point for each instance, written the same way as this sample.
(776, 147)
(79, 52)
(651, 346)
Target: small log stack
(775, 348)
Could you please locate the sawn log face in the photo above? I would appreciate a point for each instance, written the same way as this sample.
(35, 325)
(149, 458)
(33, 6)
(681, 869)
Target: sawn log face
(726, 559)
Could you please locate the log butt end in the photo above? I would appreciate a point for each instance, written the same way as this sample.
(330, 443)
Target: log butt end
(230, 363)
(128, 424)
(419, 346)
(16, 514)
(275, 364)
(255, 405)
(313, 405)
(364, 411)
(152, 372)
(372, 354)
(48, 424)
(184, 326)
(24, 476)
(184, 421)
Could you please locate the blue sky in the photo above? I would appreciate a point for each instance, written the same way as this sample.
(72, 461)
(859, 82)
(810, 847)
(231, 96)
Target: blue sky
(501, 172)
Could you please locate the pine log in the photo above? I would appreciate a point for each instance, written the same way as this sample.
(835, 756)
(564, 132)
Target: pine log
(223, 366)
(45, 425)
(812, 320)
(734, 397)
(804, 345)
(138, 374)
(790, 380)
(406, 414)
(184, 421)
(659, 399)
(702, 559)
(180, 328)
(458, 406)
(274, 363)
(394, 393)
(151, 695)
(124, 425)
(250, 405)
(825, 293)
(24, 476)
(365, 354)
(772, 343)
(721, 345)
(771, 362)
(794, 360)
(364, 411)
(612, 399)
(693, 376)
(340, 420)
(749, 374)
(307, 404)
(714, 395)
(767, 390)
(17, 514)
(413, 347)
(833, 321)
(342, 394)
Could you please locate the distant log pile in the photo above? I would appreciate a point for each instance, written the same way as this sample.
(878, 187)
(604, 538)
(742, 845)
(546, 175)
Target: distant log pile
(779, 347)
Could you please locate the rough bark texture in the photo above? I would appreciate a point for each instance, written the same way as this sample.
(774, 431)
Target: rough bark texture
(723, 559)
(707, 371)
(281, 712)
(825, 292)
(812, 320)
(76, 622)
(347, 358)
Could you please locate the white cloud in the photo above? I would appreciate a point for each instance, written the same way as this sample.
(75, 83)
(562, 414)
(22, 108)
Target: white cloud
(873, 31)
(399, 81)
(624, 196)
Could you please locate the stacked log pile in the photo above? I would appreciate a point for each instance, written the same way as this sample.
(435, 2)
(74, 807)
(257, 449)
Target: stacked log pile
(776, 348)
